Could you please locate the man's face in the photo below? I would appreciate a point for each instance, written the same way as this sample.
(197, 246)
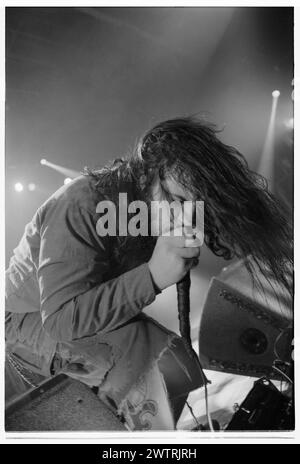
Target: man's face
(168, 190)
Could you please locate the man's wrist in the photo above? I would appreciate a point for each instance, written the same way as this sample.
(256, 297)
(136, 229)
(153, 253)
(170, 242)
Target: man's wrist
(155, 286)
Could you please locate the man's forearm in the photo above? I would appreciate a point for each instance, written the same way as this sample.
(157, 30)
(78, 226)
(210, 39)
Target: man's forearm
(102, 308)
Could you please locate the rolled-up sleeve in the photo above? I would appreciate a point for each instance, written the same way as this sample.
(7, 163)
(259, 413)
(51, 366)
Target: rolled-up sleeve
(76, 301)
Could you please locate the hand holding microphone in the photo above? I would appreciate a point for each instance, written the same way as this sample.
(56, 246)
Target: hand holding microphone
(173, 257)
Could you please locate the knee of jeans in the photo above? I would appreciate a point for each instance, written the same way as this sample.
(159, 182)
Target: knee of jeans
(89, 363)
(181, 373)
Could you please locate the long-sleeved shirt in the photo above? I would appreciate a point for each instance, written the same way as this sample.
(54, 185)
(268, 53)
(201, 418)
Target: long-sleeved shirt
(63, 283)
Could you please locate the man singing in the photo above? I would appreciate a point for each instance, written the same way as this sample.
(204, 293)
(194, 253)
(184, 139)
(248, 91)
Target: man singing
(75, 299)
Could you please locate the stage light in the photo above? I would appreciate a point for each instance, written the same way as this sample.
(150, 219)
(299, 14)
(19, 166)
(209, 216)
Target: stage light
(31, 187)
(43, 161)
(289, 123)
(275, 93)
(67, 180)
(19, 187)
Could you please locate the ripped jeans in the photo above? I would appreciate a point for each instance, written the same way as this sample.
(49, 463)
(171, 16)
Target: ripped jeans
(142, 372)
(141, 369)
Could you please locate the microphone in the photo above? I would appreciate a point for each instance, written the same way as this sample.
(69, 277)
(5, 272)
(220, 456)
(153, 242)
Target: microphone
(183, 300)
(183, 296)
(183, 304)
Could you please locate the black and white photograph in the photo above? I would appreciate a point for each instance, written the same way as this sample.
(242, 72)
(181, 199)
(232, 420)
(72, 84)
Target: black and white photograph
(149, 222)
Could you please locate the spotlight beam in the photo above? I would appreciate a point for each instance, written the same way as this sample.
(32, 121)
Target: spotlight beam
(267, 158)
(61, 169)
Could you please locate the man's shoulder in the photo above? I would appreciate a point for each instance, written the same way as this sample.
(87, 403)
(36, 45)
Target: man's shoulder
(81, 193)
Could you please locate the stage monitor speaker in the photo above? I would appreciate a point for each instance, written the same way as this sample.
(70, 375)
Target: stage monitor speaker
(60, 404)
(240, 336)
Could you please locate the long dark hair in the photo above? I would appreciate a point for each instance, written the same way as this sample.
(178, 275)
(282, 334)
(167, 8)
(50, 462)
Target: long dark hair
(242, 217)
